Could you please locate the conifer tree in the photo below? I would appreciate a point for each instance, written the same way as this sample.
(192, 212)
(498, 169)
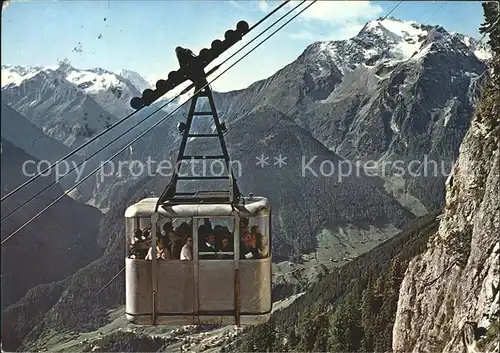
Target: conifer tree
(491, 25)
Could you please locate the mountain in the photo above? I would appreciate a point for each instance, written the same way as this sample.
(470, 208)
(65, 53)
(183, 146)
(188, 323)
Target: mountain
(449, 298)
(21, 133)
(72, 105)
(62, 110)
(374, 97)
(371, 98)
(139, 82)
(111, 91)
(58, 243)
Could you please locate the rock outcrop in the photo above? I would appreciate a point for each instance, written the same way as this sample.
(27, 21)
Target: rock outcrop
(449, 298)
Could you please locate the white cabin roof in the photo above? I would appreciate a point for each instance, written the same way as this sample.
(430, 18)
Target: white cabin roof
(256, 206)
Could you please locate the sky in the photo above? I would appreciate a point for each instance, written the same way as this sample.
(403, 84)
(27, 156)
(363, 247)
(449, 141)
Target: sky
(141, 35)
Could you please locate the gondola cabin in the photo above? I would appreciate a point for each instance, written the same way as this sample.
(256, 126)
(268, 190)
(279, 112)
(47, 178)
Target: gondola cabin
(211, 265)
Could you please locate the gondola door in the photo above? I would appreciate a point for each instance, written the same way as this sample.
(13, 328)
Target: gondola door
(215, 278)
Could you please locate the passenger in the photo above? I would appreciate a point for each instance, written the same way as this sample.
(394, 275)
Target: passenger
(208, 247)
(225, 247)
(187, 249)
(248, 250)
(264, 247)
(226, 244)
(255, 231)
(146, 231)
(162, 251)
(204, 229)
(218, 236)
(176, 246)
(174, 239)
(146, 234)
(139, 247)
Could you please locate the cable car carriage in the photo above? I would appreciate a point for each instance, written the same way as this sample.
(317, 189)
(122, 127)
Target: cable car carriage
(212, 259)
(220, 286)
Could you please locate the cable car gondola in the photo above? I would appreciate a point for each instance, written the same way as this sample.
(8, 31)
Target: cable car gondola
(223, 287)
(212, 263)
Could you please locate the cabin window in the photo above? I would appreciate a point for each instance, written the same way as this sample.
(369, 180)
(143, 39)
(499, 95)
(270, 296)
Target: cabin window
(177, 237)
(216, 238)
(138, 232)
(255, 240)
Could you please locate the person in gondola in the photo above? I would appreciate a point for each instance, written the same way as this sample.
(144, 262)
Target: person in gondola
(187, 249)
(225, 247)
(255, 231)
(139, 246)
(208, 246)
(174, 239)
(248, 249)
(162, 251)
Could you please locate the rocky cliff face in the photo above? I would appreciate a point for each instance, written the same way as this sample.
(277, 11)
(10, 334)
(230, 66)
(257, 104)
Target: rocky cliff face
(449, 298)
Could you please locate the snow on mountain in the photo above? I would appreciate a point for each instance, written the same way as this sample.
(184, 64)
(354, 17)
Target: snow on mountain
(110, 90)
(93, 82)
(403, 37)
(137, 80)
(72, 105)
(481, 51)
(392, 41)
(15, 74)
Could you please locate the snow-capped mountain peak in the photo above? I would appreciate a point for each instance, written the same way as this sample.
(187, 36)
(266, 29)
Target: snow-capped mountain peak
(400, 39)
(396, 28)
(93, 81)
(137, 80)
(89, 80)
(15, 74)
(391, 41)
